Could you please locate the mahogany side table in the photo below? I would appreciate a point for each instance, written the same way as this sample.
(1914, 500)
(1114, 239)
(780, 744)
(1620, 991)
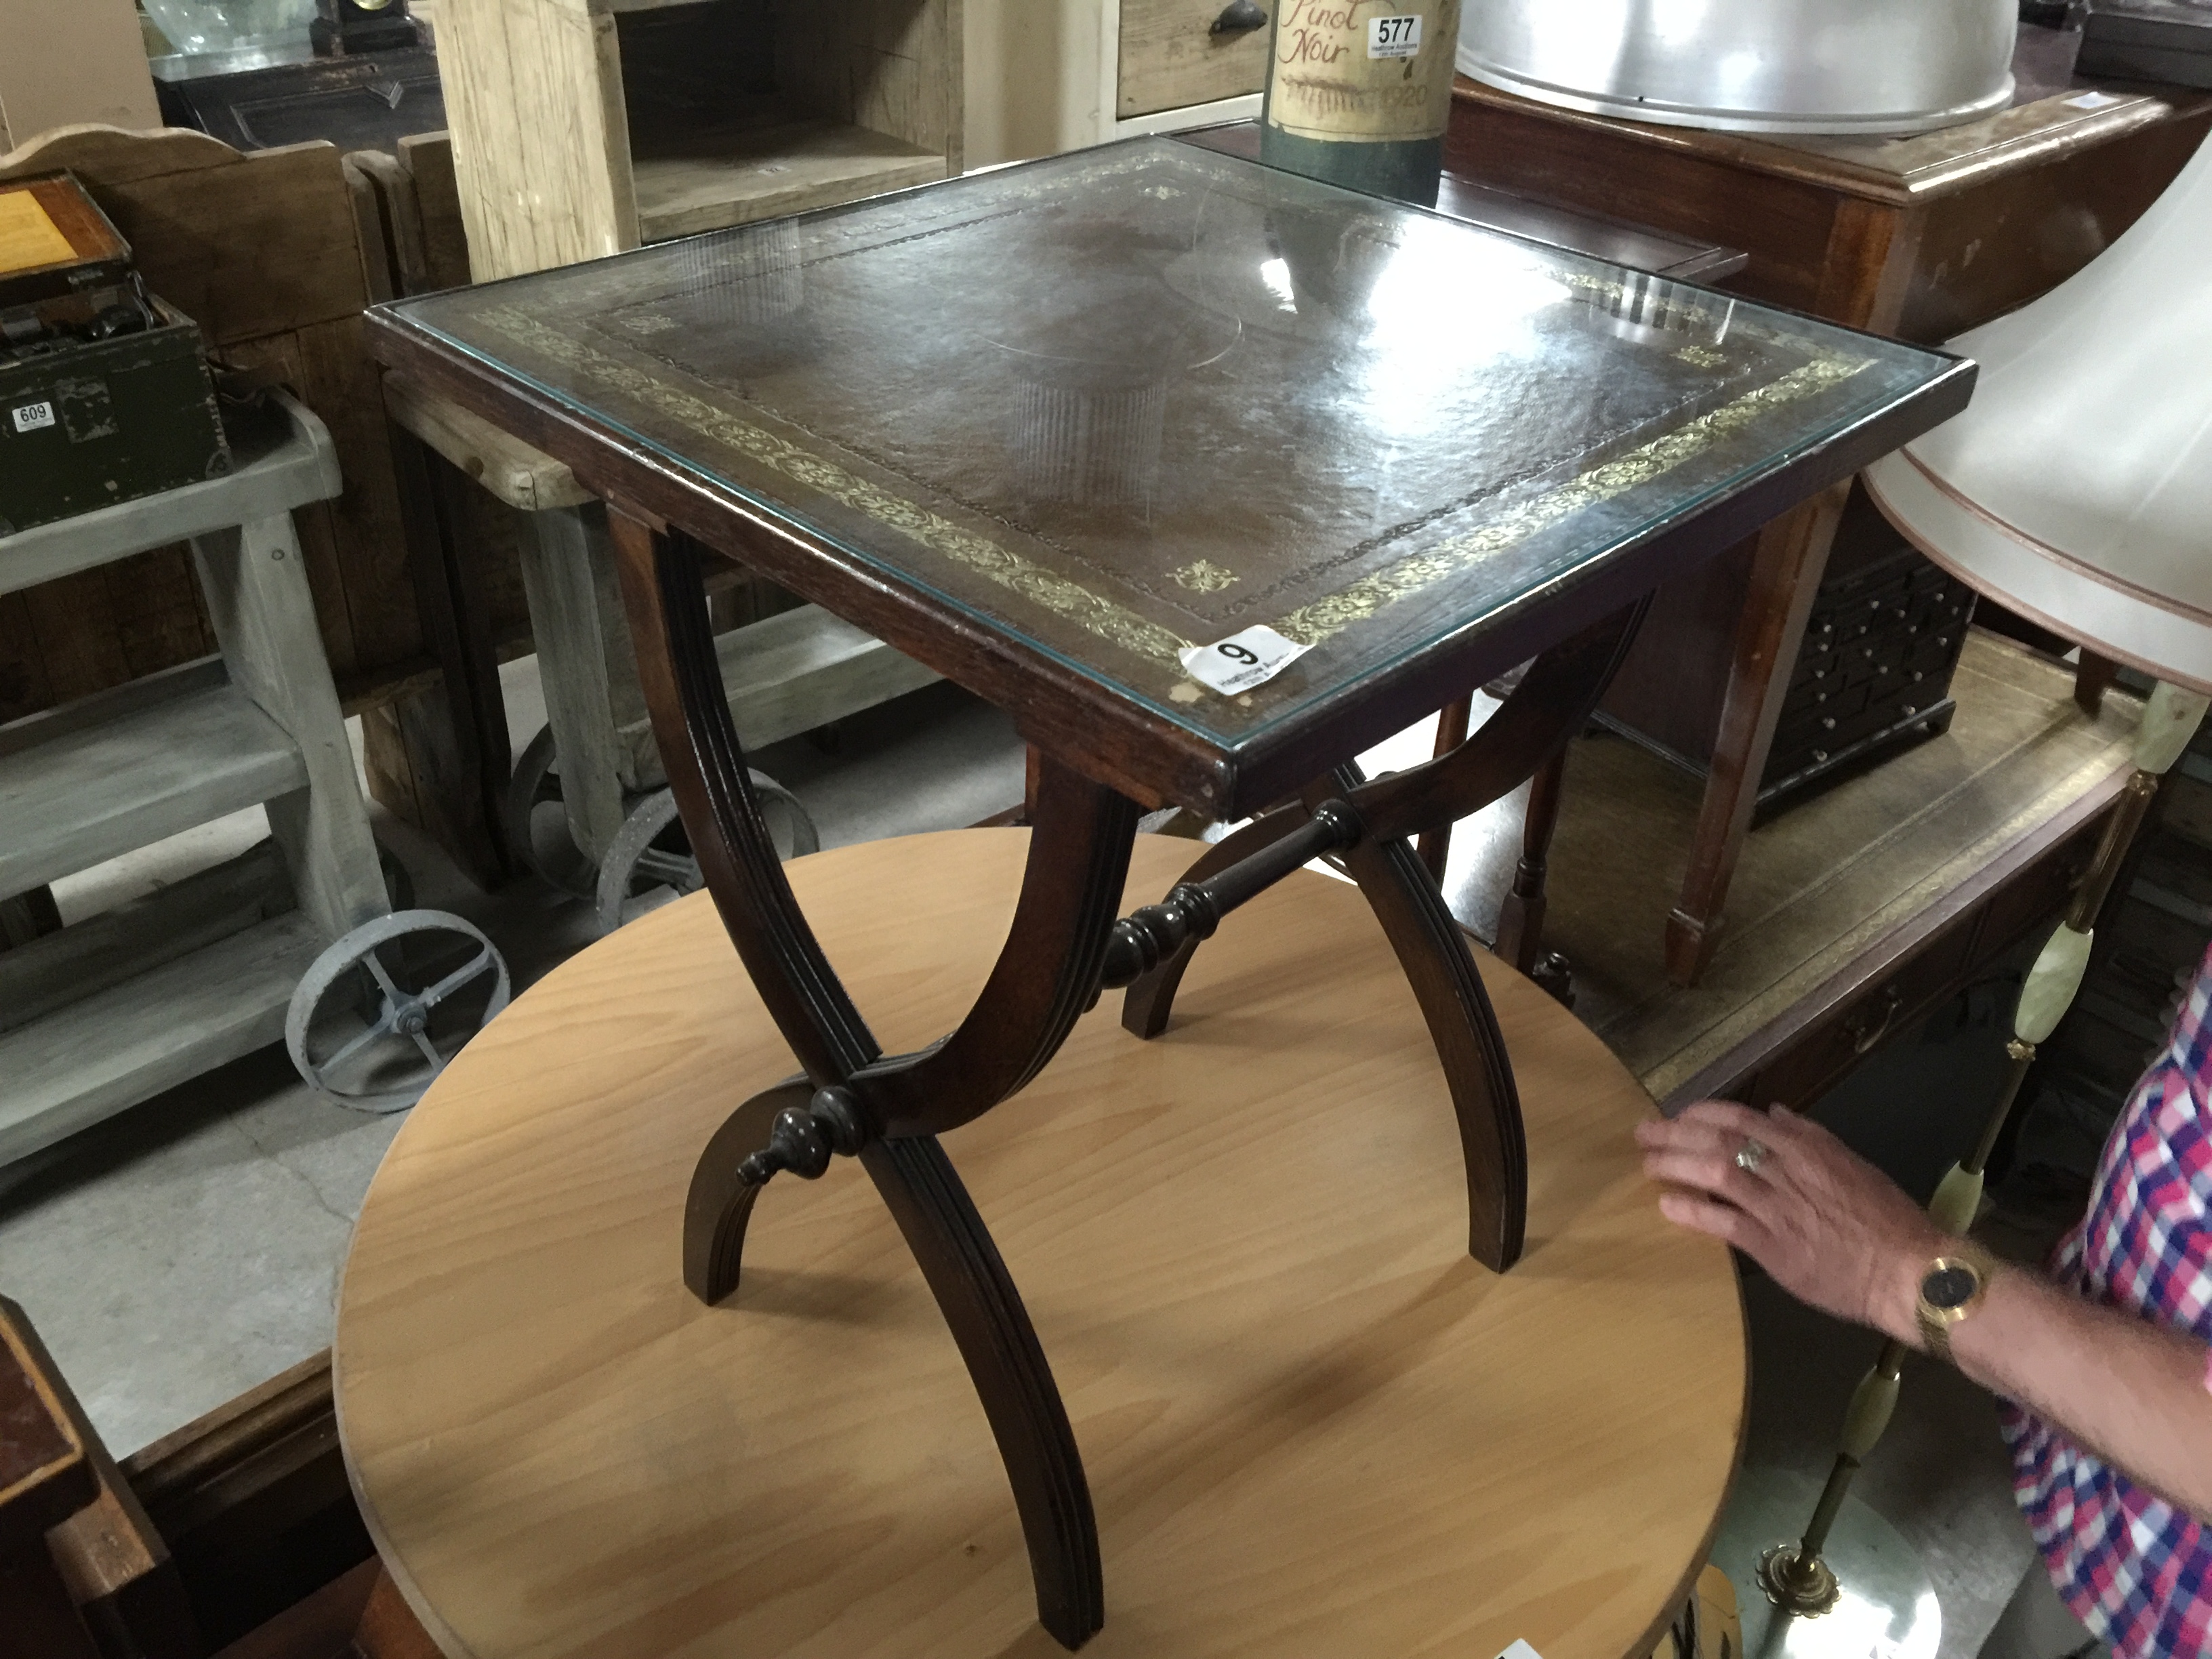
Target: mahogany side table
(1921, 237)
(1212, 475)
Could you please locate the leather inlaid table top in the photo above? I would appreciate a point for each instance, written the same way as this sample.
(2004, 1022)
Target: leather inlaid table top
(1049, 426)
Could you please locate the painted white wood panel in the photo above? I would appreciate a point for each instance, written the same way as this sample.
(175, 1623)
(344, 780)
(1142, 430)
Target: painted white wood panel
(92, 793)
(111, 1051)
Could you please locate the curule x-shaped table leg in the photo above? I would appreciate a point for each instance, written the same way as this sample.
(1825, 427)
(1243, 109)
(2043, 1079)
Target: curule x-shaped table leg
(889, 1111)
(1555, 698)
(1064, 946)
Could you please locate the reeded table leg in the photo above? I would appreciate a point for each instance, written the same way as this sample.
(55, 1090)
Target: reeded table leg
(888, 1111)
(1525, 737)
(1434, 953)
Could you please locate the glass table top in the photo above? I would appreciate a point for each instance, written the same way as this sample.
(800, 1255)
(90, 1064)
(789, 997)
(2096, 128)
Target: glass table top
(1135, 400)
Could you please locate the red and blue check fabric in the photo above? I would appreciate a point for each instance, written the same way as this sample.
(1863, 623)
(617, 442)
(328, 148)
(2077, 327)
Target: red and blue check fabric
(2136, 1570)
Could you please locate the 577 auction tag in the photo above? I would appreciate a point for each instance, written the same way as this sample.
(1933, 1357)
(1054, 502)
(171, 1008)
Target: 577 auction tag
(1243, 660)
(1394, 37)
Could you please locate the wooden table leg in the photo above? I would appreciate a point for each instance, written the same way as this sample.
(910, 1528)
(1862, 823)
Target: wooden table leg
(2092, 677)
(454, 737)
(888, 1111)
(252, 580)
(584, 665)
(1527, 735)
(1521, 918)
(1785, 579)
(1433, 952)
(1435, 847)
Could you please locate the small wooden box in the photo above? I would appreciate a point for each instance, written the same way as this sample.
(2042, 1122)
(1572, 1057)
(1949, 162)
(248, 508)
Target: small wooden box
(582, 128)
(55, 243)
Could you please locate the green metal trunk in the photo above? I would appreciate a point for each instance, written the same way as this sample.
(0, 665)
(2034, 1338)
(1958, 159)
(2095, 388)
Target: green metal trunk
(87, 424)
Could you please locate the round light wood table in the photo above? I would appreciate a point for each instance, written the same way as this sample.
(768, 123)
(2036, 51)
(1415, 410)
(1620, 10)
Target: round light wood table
(1312, 1425)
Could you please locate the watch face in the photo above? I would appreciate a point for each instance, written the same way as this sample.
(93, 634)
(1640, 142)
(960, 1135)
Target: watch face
(1950, 1287)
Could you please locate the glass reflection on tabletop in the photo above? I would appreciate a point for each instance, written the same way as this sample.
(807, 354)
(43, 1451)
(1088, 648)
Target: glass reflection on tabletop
(1124, 401)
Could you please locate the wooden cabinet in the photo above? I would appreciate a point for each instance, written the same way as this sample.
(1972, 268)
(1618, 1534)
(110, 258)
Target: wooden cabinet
(585, 127)
(1171, 56)
(1916, 237)
(1900, 979)
(1047, 75)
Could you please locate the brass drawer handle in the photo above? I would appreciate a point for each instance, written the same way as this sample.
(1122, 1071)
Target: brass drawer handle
(1239, 17)
(1865, 1030)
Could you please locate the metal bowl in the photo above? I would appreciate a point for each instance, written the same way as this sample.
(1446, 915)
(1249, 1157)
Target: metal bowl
(1789, 66)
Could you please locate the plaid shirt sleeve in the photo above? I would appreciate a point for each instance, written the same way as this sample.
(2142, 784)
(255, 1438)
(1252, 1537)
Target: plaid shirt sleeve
(2136, 1570)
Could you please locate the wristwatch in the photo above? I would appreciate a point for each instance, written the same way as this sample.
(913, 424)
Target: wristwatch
(1951, 1292)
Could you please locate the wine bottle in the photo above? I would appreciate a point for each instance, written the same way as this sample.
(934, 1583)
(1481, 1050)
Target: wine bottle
(1359, 93)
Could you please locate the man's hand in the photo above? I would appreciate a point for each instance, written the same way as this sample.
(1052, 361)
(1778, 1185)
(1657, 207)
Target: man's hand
(1830, 1228)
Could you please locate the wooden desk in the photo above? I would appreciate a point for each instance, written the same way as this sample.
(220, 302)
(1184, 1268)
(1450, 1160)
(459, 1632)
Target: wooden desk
(1920, 238)
(1312, 1425)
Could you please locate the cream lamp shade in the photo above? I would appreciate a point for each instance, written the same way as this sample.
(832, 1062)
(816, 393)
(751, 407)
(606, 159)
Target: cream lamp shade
(2077, 489)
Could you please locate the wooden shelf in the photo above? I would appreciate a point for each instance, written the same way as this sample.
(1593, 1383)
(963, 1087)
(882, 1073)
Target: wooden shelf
(732, 178)
(122, 770)
(585, 127)
(114, 1049)
(109, 1011)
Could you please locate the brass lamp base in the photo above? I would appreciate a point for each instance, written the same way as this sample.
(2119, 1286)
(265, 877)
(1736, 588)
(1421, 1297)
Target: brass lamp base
(1882, 1601)
(1799, 1583)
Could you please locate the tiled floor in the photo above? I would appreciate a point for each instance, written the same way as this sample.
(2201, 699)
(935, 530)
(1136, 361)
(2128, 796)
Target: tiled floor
(190, 1249)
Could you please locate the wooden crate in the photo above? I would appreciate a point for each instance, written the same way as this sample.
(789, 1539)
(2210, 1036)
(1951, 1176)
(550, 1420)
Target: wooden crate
(585, 127)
